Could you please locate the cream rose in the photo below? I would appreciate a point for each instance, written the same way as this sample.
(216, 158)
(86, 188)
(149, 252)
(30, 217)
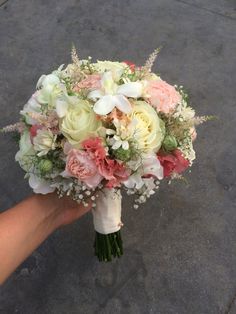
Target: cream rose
(79, 123)
(149, 129)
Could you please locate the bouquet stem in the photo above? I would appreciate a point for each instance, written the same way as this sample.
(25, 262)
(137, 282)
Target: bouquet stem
(107, 224)
(108, 245)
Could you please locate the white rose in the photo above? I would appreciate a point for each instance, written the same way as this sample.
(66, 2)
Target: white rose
(79, 123)
(149, 130)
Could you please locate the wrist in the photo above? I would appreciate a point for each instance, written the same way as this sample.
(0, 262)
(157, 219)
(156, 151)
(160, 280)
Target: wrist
(50, 208)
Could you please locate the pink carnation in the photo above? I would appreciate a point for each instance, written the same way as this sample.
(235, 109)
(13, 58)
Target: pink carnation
(80, 165)
(95, 148)
(92, 81)
(162, 96)
(113, 172)
(110, 169)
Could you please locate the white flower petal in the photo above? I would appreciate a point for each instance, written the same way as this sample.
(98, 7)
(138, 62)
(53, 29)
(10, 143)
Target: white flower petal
(110, 131)
(104, 105)
(117, 145)
(122, 104)
(131, 89)
(134, 180)
(95, 94)
(50, 79)
(61, 108)
(108, 84)
(125, 145)
(40, 186)
(152, 166)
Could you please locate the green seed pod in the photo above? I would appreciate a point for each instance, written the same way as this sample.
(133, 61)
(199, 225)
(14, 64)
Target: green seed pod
(45, 165)
(169, 143)
(122, 154)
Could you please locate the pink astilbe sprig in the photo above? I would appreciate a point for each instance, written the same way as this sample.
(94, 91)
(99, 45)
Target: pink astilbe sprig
(150, 61)
(17, 127)
(50, 121)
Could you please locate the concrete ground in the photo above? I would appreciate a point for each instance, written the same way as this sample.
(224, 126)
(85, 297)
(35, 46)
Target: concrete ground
(180, 248)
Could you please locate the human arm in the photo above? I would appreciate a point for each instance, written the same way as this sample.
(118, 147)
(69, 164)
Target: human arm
(26, 225)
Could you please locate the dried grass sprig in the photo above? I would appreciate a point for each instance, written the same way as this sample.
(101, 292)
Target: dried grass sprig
(150, 61)
(74, 56)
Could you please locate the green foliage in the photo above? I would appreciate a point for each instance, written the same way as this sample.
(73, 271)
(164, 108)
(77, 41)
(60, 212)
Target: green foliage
(16, 137)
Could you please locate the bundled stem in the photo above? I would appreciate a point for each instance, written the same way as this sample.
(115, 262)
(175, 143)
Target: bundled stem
(108, 245)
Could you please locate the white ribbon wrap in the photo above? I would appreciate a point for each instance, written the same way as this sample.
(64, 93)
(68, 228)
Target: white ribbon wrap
(107, 213)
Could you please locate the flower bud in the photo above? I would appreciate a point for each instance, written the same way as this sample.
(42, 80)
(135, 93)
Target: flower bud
(169, 143)
(122, 154)
(45, 165)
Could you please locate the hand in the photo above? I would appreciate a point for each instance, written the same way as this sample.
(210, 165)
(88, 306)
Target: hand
(64, 209)
(26, 225)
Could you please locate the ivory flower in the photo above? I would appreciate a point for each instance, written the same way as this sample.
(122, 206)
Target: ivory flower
(26, 150)
(117, 68)
(50, 89)
(32, 106)
(40, 185)
(44, 141)
(79, 123)
(149, 129)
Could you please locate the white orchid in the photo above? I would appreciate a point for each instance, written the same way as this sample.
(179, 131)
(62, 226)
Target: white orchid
(121, 135)
(118, 142)
(112, 95)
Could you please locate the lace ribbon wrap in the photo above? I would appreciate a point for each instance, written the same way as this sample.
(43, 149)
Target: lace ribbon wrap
(107, 214)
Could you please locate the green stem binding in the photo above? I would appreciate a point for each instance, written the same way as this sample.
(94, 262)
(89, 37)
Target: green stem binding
(108, 245)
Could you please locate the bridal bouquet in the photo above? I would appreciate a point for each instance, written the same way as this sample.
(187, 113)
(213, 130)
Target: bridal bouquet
(92, 129)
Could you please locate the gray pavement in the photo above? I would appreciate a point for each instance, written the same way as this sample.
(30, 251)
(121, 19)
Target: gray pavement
(180, 248)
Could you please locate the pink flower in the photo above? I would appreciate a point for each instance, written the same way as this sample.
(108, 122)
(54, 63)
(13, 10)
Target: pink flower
(33, 130)
(80, 165)
(110, 169)
(173, 163)
(130, 64)
(92, 81)
(113, 172)
(95, 148)
(162, 96)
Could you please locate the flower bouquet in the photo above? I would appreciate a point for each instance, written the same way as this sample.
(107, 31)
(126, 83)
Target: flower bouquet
(92, 129)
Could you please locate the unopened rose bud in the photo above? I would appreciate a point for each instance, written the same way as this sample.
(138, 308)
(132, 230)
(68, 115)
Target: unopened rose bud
(45, 165)
(122, 154)
(169, 143)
